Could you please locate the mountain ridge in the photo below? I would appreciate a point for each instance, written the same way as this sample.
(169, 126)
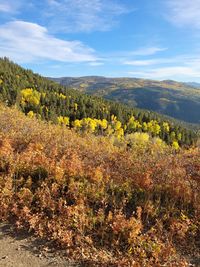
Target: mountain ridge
(176, 99)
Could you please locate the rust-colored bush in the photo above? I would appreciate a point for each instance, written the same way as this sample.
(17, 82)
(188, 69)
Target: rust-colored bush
(105, 205)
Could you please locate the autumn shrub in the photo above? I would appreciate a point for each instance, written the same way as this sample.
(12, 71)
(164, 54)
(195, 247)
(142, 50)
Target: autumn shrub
(106, 205)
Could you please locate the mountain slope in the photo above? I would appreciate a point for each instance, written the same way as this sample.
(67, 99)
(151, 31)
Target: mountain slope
(178, 100)
(103, 204)
(39, 97)
(194, 84)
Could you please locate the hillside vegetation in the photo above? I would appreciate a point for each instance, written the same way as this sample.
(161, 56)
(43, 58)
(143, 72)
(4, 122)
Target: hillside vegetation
(175, 99)
(44, 99)
(106, 205)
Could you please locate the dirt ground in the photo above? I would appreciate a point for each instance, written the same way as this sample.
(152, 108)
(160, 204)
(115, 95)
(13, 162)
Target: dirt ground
(20, 249)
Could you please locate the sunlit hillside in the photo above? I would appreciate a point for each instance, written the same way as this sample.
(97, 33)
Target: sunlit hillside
(175, 99)
(100, 133)
(106, 204)
(38, 97)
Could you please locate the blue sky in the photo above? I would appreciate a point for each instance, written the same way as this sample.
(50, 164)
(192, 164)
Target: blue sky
(155, 39)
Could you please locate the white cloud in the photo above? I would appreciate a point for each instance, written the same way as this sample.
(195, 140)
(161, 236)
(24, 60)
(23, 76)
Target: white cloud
(147, 51)
(184, 12)
(25, 42)
(131, 57)
(5, 7)
(180, 67)
(157, 61)
(83, 15)
(10, 6)
(173, 72)
(96, 63)
(140, 62)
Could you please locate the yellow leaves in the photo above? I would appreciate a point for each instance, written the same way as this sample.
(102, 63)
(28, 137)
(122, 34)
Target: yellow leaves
(75, 106)
(61, 96)
(153, 127)
(109, 130)
(137, 138)
(30, 114)
(179, 136)
(77, 124)
(173, 136)
(63, 120)
(175, 145)
(117, 125)
(66, 121)
(166, 127)
(90, 125)
(113, 118)
(133, 124)
(144, 127)
(103, 123)
(158, 145)
(119, 133)
(30, 96)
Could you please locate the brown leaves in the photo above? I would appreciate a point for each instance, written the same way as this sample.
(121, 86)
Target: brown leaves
(102, 203)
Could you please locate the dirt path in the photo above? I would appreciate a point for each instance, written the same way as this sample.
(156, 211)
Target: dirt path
(23, 250)
(19, 249)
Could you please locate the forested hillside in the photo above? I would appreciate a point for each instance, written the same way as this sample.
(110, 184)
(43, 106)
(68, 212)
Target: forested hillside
(175, 99)
(38, 97)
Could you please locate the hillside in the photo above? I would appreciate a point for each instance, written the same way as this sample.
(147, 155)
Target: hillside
(178, 100)
(38, 97)
(194, 84)
(103, 204)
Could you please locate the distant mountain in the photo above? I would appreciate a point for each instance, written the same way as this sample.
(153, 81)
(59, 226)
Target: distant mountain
(194, 84)
(175, 99)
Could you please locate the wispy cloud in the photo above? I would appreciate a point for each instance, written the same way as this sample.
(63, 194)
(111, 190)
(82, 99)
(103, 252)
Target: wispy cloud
(155, 61)
(133, 57)
(139, 62)
(95, 64)
(26, 42)
(180, 67)
(147, 51)
(5, 7)
(83, 15)
(184, 12)
(10, 6)
(173, 72)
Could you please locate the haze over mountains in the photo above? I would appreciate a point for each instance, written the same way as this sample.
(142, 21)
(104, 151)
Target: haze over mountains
(175, 99)
(194, 84)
